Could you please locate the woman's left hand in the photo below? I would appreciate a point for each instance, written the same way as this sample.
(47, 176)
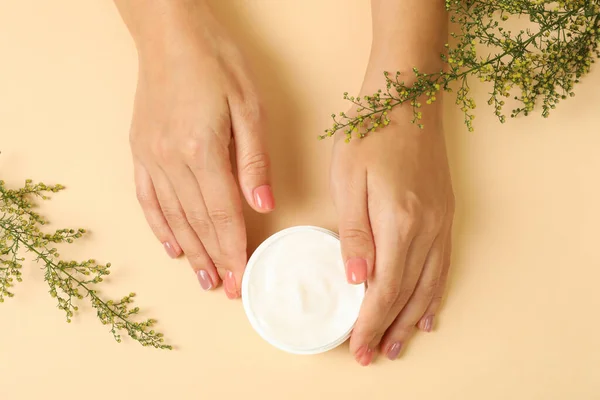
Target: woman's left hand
(394, 197)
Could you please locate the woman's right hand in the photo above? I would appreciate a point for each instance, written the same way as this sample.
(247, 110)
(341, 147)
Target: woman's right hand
(194, 99)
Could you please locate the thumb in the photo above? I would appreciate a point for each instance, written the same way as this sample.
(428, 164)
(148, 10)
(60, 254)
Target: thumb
(252, 158)
(356, 237)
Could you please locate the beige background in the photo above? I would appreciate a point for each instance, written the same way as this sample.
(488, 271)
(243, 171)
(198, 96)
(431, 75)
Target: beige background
(521, 319)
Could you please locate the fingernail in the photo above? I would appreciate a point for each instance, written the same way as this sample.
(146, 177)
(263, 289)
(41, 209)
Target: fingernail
(364, 355)
(263, 197)
(204, 279)
(356, 270)
(366, 358)
(230, 288)
(172, 251)
(426, 324)
(394, 351)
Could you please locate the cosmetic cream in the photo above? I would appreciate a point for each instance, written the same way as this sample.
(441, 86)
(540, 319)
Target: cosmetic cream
(295, 292)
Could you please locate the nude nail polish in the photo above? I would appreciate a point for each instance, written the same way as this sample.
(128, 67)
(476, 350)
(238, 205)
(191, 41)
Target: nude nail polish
(394, 351)
(427, 324)
(172, 250)
(204, 279)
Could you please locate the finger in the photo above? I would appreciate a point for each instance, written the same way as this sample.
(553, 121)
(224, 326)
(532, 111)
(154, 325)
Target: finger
(401, 328)
(197, 217)
(252, 157)
(384, 287)
(415, 260)
(358, 249)
(146, 196)
(186, 236)
(224, 211)
(426, 322)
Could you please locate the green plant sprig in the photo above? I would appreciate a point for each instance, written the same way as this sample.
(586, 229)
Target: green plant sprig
(543, 65)
(68, 281)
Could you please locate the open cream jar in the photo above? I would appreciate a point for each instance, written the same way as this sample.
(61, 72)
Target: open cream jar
(295, 292)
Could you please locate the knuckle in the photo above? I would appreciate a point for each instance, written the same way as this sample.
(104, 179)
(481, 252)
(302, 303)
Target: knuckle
(193, 149)
(407, 218)
(409, 213)
(174, 216)
(437, 298)
(144, 198)
(348, 183)
(251, 110)
(388, 295)
(201, 225)
(413, 203)
(163, 150)
(220, 217)
(404, 295)
(355, 236)
(432, 219)
(255, 163)
(430, 288)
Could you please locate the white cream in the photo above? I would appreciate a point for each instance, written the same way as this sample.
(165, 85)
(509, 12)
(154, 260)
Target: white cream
(295, 291)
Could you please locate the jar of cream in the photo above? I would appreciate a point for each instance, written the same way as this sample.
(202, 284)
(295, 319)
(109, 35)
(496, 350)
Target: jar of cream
(295, 292)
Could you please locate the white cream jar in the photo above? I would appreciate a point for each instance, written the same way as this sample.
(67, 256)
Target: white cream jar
(295, 292)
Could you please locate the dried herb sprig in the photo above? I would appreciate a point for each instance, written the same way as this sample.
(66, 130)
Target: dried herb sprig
(68, 281)
(541, 64)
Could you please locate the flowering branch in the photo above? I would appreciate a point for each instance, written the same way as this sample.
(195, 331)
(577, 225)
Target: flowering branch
(68, 281)
(543, 65)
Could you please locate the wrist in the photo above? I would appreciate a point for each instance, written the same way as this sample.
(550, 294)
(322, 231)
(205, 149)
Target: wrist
(375, 76)
(403, 58)
(407, 34)
(384, 60)
(167, 29)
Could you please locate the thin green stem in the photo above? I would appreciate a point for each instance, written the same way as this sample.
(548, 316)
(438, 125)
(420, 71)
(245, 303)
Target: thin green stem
(458, 76)
(89, 292)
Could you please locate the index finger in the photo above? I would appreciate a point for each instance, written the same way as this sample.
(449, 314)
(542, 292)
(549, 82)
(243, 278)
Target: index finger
(384, 288)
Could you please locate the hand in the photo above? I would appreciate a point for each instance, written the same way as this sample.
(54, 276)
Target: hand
(194, 99)
(394, 196)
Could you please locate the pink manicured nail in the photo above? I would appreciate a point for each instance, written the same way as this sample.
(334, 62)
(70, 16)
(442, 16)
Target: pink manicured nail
(359, 353)
(229, 284)
(356, 270)
(364, 355)
(426, 324)
(263, 198)
(394, 351)
(204, 279)
(366, 358)
(172, 250)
